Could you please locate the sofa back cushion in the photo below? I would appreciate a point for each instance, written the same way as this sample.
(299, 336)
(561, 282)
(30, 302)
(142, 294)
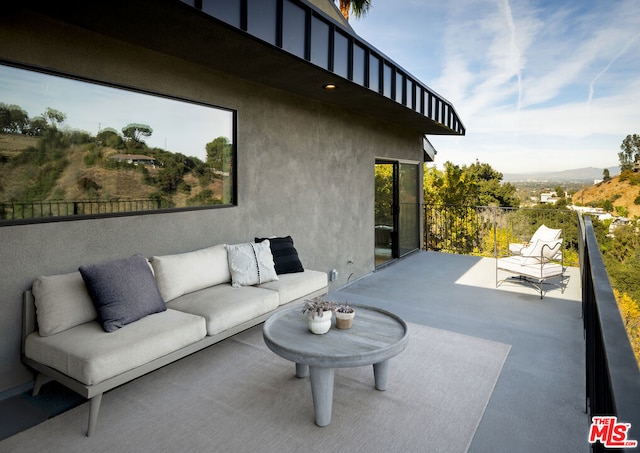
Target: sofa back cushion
(544, 233)
(187, 272)
(62, 302)
(541, 251)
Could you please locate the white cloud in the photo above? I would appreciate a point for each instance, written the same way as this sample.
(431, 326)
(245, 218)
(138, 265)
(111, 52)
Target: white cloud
(535, 84)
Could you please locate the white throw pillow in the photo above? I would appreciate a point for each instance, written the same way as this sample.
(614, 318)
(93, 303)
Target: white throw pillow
(62, 302)
(187, 272)
(251, 263)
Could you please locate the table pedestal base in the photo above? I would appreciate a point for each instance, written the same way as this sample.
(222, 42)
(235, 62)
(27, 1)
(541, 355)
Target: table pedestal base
(322, 387)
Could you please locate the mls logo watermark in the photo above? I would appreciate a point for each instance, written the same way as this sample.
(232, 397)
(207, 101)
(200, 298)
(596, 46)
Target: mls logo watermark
(610, 433)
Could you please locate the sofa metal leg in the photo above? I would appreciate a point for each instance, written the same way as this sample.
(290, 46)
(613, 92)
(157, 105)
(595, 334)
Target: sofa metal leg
(93, 413)
(41, 379)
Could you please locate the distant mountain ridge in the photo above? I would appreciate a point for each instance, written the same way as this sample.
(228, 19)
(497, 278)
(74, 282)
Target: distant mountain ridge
(578, 174)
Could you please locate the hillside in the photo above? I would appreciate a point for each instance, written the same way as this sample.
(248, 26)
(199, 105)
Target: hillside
(620, 193)
(35, 169)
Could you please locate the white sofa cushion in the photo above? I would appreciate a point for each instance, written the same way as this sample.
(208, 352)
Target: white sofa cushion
(541, 251)
(522, 266)
(251, 263)
(186, 272)
(294, 286)
(224, 306)
(62, 302)
(543, 233)
(90, 355)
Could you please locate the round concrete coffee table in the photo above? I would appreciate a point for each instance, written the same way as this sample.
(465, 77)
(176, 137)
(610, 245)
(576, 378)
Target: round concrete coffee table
(376, 337)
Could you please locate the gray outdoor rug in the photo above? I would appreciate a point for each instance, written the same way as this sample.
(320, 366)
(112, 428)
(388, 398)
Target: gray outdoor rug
(237, 396)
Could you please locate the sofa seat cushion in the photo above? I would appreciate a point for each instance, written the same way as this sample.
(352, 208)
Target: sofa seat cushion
(294, 286)
(90, 355)
(519, 265)
(224, 306)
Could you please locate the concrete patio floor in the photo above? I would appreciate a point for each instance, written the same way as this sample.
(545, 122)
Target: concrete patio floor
(538, 404)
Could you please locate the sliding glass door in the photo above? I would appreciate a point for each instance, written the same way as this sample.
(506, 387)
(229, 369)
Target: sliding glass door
(397, 210)
(408, 209)
(386, 206)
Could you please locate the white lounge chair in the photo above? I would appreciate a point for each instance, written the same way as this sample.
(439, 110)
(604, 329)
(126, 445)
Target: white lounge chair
(535, 264)
(543, 233)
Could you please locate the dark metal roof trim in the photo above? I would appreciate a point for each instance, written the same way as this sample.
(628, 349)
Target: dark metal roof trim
(403, 89)
(285, 44)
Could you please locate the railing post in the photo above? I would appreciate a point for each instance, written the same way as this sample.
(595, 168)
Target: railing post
(495, 232)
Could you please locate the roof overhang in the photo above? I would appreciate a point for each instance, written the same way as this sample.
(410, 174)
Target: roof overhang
(175, 28)
(429, 151)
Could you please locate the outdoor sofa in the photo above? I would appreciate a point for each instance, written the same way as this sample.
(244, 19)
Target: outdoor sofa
(108, 323)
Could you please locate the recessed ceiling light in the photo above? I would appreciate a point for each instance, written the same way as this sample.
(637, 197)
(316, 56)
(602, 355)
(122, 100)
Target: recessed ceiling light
(330, 86)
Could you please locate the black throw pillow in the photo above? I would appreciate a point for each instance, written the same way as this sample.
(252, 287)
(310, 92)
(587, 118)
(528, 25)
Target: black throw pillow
(285, 255)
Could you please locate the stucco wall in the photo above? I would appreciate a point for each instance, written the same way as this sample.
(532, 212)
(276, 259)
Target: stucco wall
(304, 169)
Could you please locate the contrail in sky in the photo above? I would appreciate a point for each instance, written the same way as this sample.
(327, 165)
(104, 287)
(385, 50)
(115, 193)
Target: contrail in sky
(514, 47)
(613, 60)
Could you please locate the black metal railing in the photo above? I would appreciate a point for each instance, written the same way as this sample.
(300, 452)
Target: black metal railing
(38, 209)
(612, 374)
(488, 231)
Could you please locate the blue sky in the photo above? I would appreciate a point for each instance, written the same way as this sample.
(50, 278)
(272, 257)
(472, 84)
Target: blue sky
(539, 85)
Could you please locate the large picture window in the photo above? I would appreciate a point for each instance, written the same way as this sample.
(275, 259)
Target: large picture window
(71, 148)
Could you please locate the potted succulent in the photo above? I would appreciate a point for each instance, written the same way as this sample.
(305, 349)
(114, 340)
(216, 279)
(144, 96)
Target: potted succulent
(344, 316)
(319, 312)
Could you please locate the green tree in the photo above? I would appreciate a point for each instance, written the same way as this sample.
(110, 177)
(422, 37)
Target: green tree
(110, 137)
(476, 185)
(219, 154)
(135, 131)
(450, 186)
(384, 194)
(13, 119)
(630, 152)
(630, 312)
(54, 117)
(605, 174)
(37, 126)
(452, 196)
(359, 7)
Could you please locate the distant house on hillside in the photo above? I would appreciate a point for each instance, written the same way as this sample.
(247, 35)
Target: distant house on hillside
(551, 197)
(135, 159)
(617, 222)
(548, 197)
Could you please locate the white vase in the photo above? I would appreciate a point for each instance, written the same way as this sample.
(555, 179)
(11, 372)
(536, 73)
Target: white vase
(320, 324)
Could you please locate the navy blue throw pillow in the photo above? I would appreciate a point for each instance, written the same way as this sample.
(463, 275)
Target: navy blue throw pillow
(122, 291)
(285, 255)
